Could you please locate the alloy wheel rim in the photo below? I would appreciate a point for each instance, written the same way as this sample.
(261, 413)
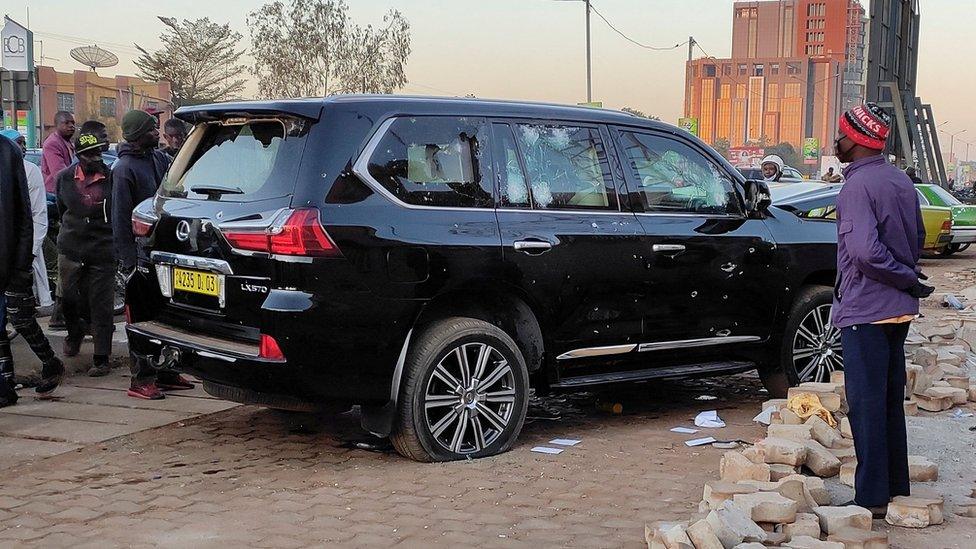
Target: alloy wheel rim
(469, 399)
(817, 347)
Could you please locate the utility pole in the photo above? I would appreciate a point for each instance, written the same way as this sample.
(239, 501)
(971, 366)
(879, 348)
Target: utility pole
(691, 47)
(952, 142)
(589, 73)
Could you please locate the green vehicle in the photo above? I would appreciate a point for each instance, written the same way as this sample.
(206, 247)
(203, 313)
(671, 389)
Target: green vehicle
(963, 215)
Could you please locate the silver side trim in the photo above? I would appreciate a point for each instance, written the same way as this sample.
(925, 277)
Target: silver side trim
(191, 262)
(700, 342)
(597, 351)
(590, 352)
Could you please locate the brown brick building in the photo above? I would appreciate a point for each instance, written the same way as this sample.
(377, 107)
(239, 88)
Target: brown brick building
(90, 96)
(785, 80)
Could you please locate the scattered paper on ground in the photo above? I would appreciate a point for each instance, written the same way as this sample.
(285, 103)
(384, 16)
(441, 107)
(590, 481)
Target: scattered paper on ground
(766, 416)
(709, 419)
(700, 441)
(564, 441)
(547, 450)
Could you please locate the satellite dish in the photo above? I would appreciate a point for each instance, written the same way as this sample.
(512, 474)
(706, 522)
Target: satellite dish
(94, 57)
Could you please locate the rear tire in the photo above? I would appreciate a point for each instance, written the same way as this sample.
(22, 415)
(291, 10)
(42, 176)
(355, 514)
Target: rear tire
(811, 347)
(464, 393)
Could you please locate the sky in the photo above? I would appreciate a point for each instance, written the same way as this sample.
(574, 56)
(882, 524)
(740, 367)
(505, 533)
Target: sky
(527, 49)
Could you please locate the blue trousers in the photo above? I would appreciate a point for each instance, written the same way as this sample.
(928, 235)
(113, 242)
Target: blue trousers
(874, 374)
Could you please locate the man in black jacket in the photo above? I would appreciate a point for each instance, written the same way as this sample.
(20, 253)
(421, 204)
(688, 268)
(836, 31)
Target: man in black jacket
(85, 258)
(16, 277)
(136, 175)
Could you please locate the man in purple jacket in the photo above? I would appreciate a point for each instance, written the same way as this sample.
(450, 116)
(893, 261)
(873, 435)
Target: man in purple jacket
(879, 234)
(57, 152)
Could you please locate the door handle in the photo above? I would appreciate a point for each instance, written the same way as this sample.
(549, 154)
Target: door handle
(532, 246)
(668, 247)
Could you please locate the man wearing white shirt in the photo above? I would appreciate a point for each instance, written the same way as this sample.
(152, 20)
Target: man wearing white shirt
(38, 201)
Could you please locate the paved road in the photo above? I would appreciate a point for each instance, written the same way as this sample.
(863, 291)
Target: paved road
(254, 477)
(260, 478)
(89, 411)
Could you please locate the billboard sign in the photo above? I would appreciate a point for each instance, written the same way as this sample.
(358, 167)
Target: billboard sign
(745, 157)
(22, 123)
(689, 125)
(811, 151)
(17, 46)
(594, 104)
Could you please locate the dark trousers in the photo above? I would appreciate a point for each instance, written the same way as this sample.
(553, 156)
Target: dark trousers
(89, 287)
(874, 374)
(20, 307)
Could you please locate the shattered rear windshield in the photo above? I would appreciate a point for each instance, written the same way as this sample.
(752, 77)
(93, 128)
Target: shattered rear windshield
(238, 160)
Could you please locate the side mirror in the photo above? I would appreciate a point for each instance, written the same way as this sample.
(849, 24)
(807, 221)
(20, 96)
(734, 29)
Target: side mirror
(758, 197)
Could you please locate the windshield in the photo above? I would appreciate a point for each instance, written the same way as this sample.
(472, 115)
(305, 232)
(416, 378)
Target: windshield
(239, 160)
(945, 195)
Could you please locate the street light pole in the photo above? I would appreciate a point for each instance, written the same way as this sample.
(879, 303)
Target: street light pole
(589, 81)
(952, 141)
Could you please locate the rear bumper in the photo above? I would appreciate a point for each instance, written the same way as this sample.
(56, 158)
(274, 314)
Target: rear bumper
(963, 235)
(217, 360)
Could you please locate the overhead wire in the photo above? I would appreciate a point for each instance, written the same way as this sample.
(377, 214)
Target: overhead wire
(631, 40)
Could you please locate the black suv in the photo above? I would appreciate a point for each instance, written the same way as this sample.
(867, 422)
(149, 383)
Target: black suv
(431, 259)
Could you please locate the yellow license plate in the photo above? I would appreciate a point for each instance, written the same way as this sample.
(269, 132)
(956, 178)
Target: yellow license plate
(197, 282)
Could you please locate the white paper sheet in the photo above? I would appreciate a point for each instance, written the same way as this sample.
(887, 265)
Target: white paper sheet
(547, 450)
(700, 441)
(709, 419)
(565, 441)
(766, 416)
(684, 430)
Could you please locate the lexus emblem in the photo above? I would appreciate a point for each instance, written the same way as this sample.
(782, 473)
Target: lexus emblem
(183, 231)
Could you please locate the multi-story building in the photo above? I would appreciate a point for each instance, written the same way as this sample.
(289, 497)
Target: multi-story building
(90, 96)
(785, 79)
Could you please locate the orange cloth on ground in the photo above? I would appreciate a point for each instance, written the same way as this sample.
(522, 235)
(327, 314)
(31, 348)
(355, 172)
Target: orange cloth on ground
(808, 404)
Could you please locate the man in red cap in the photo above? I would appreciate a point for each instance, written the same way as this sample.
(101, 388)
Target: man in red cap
(879, 234)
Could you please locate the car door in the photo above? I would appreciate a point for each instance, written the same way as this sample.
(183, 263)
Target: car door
(710, 275)
(566, 242)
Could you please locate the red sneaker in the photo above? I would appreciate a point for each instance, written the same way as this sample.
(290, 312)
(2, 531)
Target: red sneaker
(148, 391)
(174, 382)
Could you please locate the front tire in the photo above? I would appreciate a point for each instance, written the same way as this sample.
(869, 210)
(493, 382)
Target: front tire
(464, 394)
(811, 347)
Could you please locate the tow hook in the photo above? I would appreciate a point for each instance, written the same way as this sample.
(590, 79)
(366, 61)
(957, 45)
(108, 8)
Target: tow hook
(168, 358)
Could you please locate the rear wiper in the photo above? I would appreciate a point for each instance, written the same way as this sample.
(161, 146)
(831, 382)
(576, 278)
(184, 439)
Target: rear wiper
(214, 193)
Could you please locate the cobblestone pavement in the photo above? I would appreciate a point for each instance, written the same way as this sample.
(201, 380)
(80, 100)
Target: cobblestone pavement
(254, 477)
(257, 477)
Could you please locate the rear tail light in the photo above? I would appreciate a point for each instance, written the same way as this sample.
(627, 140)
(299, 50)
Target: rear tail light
(128, 314)
(300, 234)
(141, 225)
(947, 225)
(268, 349)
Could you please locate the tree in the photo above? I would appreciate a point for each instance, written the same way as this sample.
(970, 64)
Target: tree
(199, 60)
(639, 113)
(381, 54)
(786, 152)
(111, 122)
(311, 48)
(722, 145)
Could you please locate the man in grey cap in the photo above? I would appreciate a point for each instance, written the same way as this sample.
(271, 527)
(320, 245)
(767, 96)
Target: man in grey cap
(137, 175)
